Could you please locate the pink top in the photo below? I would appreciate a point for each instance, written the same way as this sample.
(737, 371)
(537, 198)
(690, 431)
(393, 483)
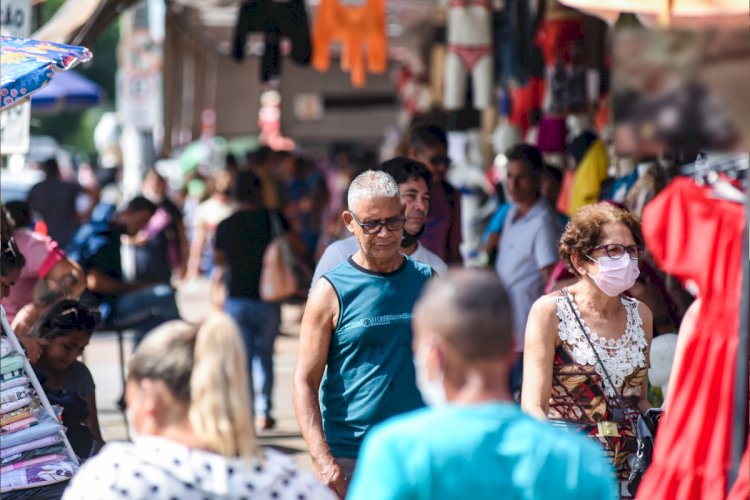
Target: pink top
(42, 254)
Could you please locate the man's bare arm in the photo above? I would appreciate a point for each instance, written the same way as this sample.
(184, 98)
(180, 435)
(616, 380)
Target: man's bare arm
(65, 280)
(318, 323)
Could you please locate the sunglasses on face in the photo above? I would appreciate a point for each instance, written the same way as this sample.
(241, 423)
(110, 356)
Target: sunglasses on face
(74, 318)
(616, 251)
(9, 250)
(440, 160)
(392, 224)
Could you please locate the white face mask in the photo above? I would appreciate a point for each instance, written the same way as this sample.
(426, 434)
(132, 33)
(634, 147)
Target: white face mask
(132, 433)
(615, 275)
(432, 391)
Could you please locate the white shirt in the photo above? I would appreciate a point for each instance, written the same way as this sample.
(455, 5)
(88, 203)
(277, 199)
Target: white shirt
(527, 245)
(153, 467)
(338, 251)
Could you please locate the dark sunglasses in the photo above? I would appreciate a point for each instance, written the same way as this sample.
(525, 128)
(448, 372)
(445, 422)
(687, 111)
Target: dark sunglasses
(440, 160)
(74, 318)
(374, 227)
(9, 250)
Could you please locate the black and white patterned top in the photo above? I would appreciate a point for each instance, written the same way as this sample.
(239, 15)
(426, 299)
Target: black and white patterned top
(156, 468)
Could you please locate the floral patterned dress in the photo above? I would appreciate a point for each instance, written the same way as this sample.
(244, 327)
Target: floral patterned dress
(582, 396)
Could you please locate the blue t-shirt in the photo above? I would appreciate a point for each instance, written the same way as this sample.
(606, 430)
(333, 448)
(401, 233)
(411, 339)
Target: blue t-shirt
(490, 450)
(370, 372)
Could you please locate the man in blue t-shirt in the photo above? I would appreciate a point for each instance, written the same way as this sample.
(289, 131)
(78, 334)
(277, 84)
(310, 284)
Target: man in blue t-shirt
(355, 340)
(474, 442)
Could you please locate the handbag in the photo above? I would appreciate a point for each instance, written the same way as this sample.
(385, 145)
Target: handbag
(645, 429)
(285, 274)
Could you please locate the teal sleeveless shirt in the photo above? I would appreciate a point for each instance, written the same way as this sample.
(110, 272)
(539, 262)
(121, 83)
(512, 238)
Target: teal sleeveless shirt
(370, 372)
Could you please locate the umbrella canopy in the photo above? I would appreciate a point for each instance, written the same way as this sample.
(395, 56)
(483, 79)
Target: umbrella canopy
(28, 65)
(68, 90)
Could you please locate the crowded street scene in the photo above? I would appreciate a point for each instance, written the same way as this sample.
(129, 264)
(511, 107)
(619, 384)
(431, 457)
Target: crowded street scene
(374, 249)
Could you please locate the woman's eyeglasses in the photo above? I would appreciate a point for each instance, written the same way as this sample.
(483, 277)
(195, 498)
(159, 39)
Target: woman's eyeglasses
(616, 251)
(374, 227)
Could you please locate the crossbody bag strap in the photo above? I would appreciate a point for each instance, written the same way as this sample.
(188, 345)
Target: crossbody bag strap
(618, 397)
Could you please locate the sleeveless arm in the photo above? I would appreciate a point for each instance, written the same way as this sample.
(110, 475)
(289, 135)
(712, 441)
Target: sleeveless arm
(318, 324)
(539, 357)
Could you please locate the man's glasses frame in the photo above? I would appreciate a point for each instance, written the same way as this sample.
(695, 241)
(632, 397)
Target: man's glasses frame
(392, 224)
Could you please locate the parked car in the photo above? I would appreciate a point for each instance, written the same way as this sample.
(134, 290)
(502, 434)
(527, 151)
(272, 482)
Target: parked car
(15, 186)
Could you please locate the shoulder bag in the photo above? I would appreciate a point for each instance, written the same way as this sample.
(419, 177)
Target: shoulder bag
(645, 430)
(285, 274)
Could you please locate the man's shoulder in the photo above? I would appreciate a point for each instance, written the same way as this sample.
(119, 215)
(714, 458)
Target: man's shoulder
(411, 426)
(418, 269)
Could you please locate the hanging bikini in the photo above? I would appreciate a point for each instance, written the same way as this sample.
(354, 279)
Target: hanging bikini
(469, 36)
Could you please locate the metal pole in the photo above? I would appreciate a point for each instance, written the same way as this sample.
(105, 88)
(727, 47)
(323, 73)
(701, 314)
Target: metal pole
(739, 420)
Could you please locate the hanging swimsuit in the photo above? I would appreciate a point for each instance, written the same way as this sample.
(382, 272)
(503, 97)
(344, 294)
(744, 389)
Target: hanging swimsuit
(469, 54)
(353, 27)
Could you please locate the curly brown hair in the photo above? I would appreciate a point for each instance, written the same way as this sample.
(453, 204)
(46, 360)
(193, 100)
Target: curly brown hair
(585, 230)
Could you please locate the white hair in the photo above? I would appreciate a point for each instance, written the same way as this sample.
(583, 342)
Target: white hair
(371, 185)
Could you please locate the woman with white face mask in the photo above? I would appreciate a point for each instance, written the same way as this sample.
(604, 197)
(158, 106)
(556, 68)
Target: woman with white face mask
(587, 346)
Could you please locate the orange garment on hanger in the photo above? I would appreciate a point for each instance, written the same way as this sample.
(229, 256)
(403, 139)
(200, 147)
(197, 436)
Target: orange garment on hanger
(354, 27)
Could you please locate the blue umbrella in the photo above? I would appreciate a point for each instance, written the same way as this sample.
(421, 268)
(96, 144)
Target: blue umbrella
(68, 90)
(28, 65)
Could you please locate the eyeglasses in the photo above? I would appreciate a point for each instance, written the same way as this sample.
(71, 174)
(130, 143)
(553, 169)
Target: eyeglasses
(440, 160)
(616, 251)
(374, 227)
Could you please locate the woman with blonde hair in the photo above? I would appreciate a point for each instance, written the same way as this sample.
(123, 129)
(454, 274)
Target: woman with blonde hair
(192, 427)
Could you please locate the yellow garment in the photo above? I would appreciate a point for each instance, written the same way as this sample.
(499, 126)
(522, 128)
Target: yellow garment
(356, 28)
(590, 174)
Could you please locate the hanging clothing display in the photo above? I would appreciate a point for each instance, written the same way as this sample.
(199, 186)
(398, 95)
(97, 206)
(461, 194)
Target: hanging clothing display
(694, 236)
(525, 100)
(513, 47)
(34, 451)
(354, 27)
(469, 37)
(275, 19)
(590, 172)
(557, 38)
(551, 137)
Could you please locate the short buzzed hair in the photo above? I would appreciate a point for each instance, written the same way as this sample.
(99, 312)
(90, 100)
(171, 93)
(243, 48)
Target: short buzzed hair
(371, 185)
(470, 310)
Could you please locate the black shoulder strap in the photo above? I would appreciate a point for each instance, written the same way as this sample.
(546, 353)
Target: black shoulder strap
(593, 348)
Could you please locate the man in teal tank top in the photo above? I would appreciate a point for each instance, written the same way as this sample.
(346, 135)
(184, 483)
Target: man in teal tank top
(473, 441)
(355, 341)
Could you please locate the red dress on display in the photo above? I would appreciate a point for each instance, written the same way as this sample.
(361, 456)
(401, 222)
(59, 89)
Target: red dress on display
(696, 237)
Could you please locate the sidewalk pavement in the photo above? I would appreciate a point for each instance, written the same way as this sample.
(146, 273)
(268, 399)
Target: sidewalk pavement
(101, 356)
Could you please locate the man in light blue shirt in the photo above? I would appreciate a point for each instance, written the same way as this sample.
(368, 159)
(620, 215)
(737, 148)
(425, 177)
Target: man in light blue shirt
(474, 442)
